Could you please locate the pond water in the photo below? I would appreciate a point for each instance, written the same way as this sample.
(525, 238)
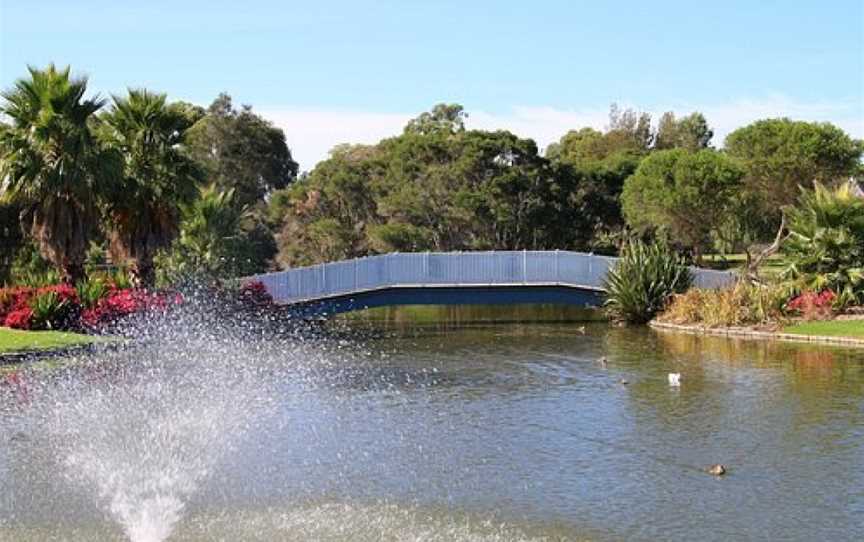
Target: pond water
(456, 430)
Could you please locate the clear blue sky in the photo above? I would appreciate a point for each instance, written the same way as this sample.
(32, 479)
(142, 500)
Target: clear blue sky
(401, 57)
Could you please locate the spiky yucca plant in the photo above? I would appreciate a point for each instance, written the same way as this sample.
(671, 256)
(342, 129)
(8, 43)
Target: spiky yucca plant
(49, 309)
(91, 291)
(643, 280)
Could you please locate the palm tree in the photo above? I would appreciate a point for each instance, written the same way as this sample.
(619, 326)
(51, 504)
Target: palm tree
(211, 238)
(825, 245)
(52, 166)
(211, 228)
(144, 214)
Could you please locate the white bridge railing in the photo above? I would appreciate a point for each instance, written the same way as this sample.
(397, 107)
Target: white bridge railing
(452, 269)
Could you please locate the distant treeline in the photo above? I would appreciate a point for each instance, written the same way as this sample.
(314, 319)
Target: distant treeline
(168, 189)
(439, 186)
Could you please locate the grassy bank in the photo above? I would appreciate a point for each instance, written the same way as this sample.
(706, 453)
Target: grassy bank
(13, 340)
(829, 328)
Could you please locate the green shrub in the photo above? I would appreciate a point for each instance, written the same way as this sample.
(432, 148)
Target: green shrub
(90, 291)
(49, 309)
(768, 303)
(95, 261)
(122, 279)
(220, 238)
(643, 280)
(38, 280)
(29, 268)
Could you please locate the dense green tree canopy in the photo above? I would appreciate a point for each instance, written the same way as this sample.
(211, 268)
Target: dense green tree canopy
(435, 187)
(593, 165)
(442, 118)
(587, 207)
(136, 171)
(691, 132)
(240, 151)
(629, 132)
(686, 195)
(781, 155)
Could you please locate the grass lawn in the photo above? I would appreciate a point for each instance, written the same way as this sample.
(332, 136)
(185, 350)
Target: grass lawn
(14, 340)
(771, 267)
(830, 328)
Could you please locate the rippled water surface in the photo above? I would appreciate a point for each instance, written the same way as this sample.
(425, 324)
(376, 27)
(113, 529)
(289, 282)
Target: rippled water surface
(458, 432)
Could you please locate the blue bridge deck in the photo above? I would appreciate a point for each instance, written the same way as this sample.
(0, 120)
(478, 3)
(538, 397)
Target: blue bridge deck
(453, 278)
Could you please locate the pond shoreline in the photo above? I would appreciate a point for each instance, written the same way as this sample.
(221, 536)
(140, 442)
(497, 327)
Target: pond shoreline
(10, 359)
(750, 333)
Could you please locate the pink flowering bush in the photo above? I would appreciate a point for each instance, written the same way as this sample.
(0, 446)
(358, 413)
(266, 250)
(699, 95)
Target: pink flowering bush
(813, 305)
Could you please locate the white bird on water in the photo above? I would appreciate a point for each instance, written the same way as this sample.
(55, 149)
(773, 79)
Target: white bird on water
(675, 379)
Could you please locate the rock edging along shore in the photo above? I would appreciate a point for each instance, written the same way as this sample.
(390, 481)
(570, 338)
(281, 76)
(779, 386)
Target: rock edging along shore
(747, 333)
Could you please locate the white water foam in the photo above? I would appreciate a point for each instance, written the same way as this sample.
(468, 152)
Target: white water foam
(143, 440)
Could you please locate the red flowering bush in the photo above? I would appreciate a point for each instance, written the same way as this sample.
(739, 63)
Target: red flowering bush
(14, 299)
(255, 292)
(120, 303)
(65, 292)
(19, 318)
(67, 311)
(813, 305)
(7, 299)
(18, 304)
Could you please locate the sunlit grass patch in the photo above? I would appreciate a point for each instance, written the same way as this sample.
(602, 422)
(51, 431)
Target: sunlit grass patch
(829, 328)
(14, 340)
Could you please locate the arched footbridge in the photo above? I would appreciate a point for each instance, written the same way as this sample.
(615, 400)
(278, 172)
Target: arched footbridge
(452, 278)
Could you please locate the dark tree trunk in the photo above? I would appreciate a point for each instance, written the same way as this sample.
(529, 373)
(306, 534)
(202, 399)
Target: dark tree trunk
(144, 273)
(72, 272)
